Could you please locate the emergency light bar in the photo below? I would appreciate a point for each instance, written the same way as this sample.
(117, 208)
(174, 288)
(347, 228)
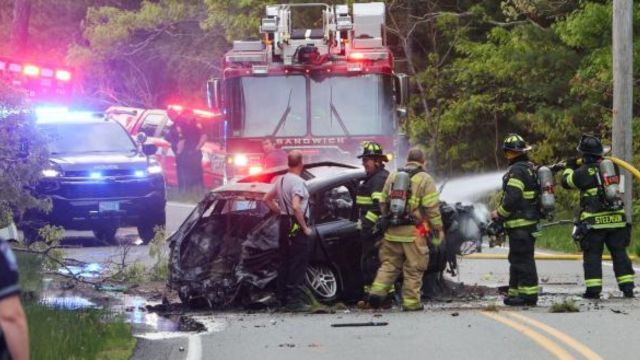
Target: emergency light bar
(46, 115)
(43, 83)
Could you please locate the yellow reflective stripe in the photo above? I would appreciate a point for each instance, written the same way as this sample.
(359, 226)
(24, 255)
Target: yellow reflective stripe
(513, 292)
(411, 303)
(568, 174)
(609, 226)
(503, 212)
(529, 195)
(625, 279)
(379, 288)
(399, 238)
(516, 183)
(371, 216)
(602, 213)
(593, 282)
(431, 199)
(383, 197)
(519, 223)
(436, 220)
(414, 201)
(590, 192)
(528, 290)
(364, 200)
(376, 195)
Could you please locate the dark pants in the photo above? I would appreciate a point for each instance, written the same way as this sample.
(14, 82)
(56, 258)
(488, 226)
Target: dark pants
(592, 246)
(295, 251)
(523, 276)
(369, 260)
(189, 169)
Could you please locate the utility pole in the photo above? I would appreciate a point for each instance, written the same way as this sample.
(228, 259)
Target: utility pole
(623, 90)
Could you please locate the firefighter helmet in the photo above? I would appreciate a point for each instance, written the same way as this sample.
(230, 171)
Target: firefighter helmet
(515, 142)
(590, 145)
(372, 149)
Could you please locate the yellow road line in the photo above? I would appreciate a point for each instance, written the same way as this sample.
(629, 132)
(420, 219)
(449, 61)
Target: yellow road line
(481, 256)
(571, 342)
(540, 339)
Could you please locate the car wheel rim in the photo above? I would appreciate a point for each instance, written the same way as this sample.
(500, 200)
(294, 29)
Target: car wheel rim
(322, 281)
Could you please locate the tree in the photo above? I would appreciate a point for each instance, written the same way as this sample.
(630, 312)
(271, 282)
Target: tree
(20, 26)
(23, 156)
(147, 56)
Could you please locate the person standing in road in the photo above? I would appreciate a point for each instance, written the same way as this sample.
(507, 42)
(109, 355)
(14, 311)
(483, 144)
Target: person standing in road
(405, 246)
(289, 198)
(13, 322)
(368, 202)
(273, 156)
(602, 221)
(189, 151)
(519, 213)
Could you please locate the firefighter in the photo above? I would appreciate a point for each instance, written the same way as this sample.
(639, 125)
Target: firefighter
(409, 203)
(519, 214)
(602, 219)
(368, 201)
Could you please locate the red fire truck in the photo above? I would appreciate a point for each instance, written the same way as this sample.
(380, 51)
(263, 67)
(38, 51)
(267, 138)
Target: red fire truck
(320, 80)
(155, 124)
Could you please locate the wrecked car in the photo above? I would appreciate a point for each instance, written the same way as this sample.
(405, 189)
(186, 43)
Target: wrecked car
(226, 251)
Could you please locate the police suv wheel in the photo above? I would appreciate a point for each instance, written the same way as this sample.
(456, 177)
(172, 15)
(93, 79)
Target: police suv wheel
(322, 280)
(105, 235)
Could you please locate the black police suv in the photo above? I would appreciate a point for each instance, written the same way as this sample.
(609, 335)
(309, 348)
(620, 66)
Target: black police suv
(98, 179)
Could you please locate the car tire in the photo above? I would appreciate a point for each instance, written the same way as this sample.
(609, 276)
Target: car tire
(323, 281)
(146, 229)
(105, 235)
(30, 235)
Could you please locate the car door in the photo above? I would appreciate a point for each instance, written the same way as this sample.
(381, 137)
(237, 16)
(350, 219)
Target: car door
(338, 246)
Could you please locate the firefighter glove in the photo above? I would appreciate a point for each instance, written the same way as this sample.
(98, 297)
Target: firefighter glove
(573, 163)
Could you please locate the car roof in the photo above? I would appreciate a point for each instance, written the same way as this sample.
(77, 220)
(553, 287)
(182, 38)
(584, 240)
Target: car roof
(336, 173)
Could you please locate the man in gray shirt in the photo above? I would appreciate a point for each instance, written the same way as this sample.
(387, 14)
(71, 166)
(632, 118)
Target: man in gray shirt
(289, 198)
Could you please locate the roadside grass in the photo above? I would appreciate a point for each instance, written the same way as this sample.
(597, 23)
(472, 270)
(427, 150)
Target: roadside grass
(558, 238)
(79, 334)
(67, 334)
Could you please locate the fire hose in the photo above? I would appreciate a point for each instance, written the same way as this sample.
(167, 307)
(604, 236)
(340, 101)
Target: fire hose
(497, 235)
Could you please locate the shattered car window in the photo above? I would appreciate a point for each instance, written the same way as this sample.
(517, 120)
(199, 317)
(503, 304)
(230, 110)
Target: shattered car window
(334, 204)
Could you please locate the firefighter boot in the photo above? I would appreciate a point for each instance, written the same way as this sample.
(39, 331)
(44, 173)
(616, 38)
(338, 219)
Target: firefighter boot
(376, 301)
(520, 301)
(627, 291)
(591, 295)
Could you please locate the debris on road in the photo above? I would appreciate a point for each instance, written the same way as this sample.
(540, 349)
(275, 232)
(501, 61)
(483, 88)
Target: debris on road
(370, 323)
(616, 311)
(567, 306)
(455, 314)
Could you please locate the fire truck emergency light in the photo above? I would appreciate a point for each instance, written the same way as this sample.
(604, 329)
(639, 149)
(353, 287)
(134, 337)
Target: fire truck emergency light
(63, 75)
(31, 70)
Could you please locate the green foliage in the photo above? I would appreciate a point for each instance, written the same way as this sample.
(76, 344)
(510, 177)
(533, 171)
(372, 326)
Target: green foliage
(135, 272)
(159, 251)
(567, 306)
(147, 56)
(51, 236)
(83, 334)
(23, 155)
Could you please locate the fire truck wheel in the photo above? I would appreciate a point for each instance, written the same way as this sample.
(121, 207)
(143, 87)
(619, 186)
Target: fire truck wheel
(147, 228)
(106, 235)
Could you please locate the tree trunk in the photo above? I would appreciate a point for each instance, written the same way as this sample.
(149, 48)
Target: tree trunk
(20, 26)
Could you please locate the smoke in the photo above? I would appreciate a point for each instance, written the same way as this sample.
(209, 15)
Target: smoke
(472, 219)
(470, 188)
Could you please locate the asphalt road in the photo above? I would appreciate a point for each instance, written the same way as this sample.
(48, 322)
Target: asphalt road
(482, 329)
(444, 330)
(81, 244)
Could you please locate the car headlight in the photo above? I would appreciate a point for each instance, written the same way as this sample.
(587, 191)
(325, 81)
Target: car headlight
(240, 160)
(49, 173)
(154, 169)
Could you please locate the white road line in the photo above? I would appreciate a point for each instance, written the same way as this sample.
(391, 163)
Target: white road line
(194, 352)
